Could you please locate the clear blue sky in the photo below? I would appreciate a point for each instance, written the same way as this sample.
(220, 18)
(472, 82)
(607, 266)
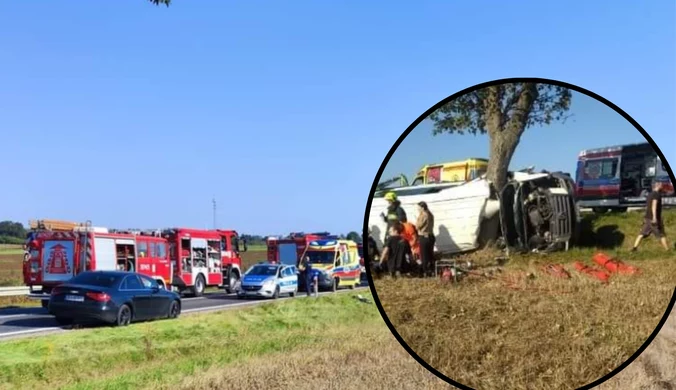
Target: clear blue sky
(555, 147)
(133, 115)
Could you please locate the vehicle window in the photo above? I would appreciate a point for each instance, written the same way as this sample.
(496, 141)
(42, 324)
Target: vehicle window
(142, 249)
(152, 247)
(147, 282)
(600, 169)
(287, 272)
(132, 283)
(263, 270)
(321, 257)
(96, 279)
(161, 250)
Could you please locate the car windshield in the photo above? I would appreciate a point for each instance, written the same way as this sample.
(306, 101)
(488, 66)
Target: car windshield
(95, 279)
(321, 257)
(263, 270)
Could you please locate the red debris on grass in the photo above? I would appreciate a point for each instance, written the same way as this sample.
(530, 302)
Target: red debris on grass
(592, 271)
(614, 265)
(556, 270)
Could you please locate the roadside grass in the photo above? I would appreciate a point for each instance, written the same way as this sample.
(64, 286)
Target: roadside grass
(207, 350)
(524, 329)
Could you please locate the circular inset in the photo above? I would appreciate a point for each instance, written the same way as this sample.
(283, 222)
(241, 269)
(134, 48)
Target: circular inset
(495, 274)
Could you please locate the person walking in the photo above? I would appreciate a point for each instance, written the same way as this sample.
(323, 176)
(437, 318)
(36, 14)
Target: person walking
(652, 222)
(425, 225)
(395, 251)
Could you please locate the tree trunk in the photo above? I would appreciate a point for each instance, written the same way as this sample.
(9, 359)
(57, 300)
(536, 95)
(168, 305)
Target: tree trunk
(502, 147)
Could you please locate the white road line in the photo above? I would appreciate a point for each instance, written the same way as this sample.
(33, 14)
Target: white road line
(18, 332)
(4, 317)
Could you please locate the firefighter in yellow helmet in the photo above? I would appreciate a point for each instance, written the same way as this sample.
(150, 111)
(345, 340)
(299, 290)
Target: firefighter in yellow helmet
(394, 210)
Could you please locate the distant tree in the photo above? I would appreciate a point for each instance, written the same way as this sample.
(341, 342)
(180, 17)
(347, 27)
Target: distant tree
(504, 112)
(12, 229)
(354, 236)
(158, 2)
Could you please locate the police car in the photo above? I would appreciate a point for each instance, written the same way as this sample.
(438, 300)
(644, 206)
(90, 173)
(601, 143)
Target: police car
(269, 281)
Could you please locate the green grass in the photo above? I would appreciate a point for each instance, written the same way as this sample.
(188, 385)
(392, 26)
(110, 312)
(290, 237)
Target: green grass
(162, 352)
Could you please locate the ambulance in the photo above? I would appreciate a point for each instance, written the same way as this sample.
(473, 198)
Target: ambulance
(338, 263)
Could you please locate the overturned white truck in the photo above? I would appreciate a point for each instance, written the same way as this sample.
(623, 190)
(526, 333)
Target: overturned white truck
(535, 211)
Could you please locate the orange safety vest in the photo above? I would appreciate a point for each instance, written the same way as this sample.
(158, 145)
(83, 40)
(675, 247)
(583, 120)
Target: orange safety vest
(410, 234)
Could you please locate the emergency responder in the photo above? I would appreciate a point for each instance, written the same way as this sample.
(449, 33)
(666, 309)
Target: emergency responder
(425, 225)
(652, 221)
(410, 234)
(305, 269)
(395, 251)
(394, 210)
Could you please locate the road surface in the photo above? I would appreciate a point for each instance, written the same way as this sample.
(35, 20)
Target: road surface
(23, 322)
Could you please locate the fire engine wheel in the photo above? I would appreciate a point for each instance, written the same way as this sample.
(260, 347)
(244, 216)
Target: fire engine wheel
(123, 316)
(276, 294)
(198, 290)
(232, 283)
(174, 309)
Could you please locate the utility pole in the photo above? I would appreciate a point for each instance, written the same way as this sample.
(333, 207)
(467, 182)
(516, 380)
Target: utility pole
(213, 200)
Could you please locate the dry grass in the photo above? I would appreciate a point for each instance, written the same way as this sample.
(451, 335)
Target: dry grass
(522, 332)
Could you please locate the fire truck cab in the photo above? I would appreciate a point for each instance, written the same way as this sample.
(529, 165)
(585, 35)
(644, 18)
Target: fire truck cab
(203, 258)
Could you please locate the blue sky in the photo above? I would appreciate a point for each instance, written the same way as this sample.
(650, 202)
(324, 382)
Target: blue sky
(132, 115)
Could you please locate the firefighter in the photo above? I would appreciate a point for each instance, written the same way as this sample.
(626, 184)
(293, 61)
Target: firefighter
(394, 210)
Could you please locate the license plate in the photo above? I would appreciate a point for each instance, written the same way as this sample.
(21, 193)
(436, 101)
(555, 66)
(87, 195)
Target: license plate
(75, 298)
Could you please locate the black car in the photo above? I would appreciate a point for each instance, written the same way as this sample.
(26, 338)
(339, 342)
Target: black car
(113, 297)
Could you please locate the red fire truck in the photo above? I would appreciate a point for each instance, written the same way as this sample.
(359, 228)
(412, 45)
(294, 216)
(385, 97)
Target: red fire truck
(59, 250)
(203, 258)
(289, 249)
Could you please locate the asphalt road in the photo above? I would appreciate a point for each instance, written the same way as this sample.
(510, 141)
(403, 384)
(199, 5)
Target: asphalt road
(24, 322)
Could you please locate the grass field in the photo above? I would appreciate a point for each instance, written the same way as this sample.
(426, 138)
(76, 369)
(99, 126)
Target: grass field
(302, 344)
(538, 331)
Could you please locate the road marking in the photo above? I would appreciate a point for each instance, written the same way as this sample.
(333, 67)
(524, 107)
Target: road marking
(4, 317)
(18, 332)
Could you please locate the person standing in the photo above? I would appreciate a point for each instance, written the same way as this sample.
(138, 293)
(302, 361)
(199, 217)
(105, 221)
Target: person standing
(426, 239)
(652, 222)
(395, 251)
(394, 210)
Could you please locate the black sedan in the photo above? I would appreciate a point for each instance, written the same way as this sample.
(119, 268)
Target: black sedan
(113, 297)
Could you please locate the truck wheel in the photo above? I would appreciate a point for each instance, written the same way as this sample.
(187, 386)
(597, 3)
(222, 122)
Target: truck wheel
(334, 288)
(123, 316)
(276, 294)
(198, 289)
(232, 282)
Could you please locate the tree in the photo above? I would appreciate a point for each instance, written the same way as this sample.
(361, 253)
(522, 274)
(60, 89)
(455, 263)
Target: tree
(354, 236)
(158, 2)
(504, 112)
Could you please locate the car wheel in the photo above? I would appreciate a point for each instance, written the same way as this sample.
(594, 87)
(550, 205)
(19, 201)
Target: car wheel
(292, 294)
(123, 316)
(174, 309)
(63, 321)
(198, 289)
(276, 294)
